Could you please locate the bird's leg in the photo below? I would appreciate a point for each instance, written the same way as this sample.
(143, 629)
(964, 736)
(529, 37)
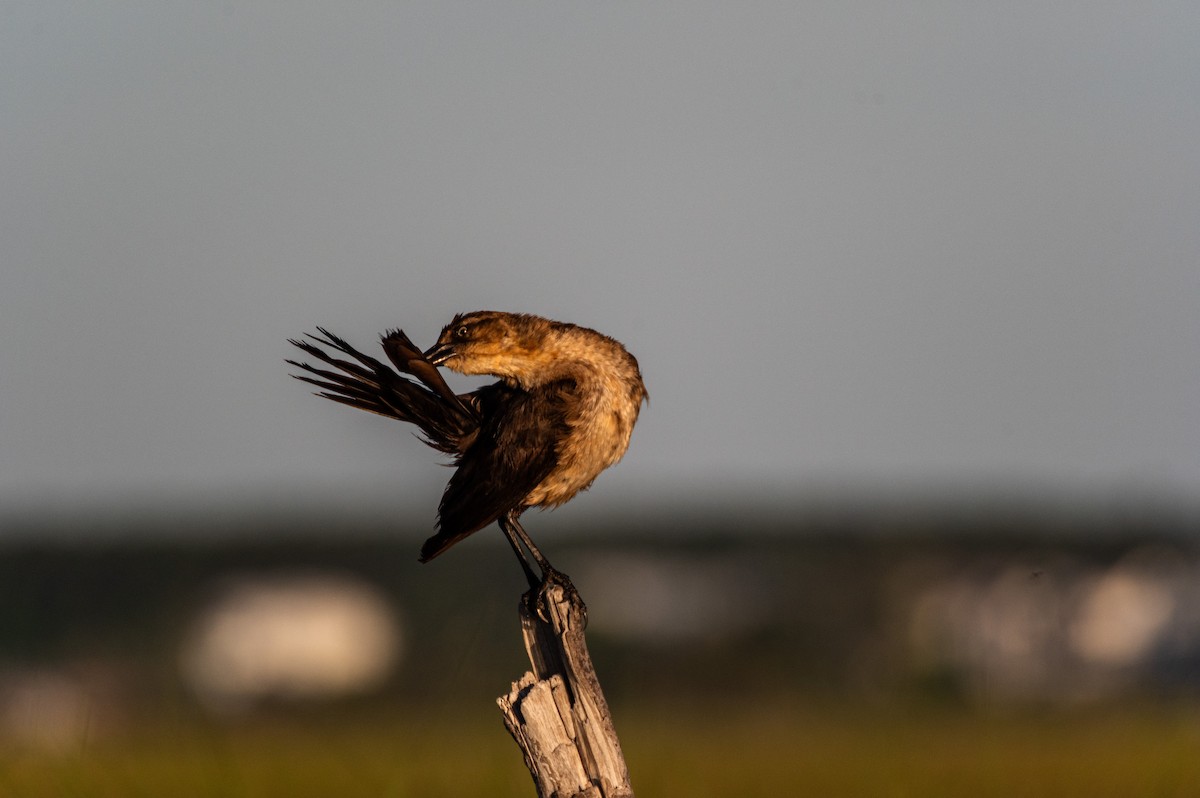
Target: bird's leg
(550, 575)
(514, 528)
(515, 541)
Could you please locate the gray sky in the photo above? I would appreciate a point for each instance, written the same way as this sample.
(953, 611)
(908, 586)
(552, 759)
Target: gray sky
(928, 245)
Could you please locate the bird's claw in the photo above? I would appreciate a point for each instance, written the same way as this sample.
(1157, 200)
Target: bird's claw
(541, 597)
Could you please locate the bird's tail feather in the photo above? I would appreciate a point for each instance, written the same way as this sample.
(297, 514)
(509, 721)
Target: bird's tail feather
(446, 423)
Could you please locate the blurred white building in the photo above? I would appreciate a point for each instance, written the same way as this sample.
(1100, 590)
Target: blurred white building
(1067, 632)
(296, 637)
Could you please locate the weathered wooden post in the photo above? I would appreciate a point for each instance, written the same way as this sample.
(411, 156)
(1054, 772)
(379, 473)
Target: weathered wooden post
(556, 712)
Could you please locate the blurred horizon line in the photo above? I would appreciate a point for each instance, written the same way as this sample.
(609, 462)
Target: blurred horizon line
(772, 509)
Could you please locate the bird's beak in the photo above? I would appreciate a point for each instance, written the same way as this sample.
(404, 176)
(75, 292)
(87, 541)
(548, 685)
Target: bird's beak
(439, 353)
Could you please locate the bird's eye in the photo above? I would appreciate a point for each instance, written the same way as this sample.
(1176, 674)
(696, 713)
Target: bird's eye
(461, 332)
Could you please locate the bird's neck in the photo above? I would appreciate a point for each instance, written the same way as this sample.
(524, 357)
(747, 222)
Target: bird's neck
(587, 359)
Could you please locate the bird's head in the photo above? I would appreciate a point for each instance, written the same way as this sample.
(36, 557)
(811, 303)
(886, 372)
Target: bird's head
(507, 345)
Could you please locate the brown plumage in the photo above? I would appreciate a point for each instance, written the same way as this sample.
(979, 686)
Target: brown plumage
(562, 412)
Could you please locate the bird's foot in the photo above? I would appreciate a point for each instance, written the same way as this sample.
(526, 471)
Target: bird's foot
(552, 578)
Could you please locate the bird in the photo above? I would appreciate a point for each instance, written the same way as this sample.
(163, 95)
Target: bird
(561, 412)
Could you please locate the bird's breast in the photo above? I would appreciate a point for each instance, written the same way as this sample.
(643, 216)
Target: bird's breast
(597, 434)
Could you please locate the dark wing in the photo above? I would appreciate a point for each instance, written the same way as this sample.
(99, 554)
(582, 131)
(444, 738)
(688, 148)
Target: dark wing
(368, 384)
(515, 450)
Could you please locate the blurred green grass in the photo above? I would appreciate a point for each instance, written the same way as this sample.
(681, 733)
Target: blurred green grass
(696, 751)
